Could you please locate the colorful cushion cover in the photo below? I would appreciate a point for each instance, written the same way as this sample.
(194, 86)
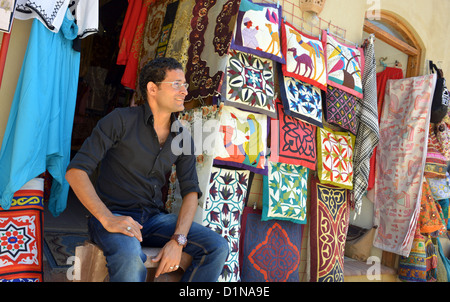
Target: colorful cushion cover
(249, 83)
(305, 58)
(334, 160)
(292, 141)
(270, 250)
(21, 233)
(285, 190)
(301, 100)
(329, 220)
(242, 140)
(258, 30)
(345, 65)
(222, 213)
(341, 109)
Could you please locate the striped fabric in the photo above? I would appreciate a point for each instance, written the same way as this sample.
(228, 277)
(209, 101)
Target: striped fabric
(368, 132)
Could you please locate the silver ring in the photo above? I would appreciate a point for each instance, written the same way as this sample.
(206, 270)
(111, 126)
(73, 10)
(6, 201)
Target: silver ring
(177, 266)
(171, 267)
(129, 228)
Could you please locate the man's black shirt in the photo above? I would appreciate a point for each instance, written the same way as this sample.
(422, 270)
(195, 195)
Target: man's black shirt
(133, 168)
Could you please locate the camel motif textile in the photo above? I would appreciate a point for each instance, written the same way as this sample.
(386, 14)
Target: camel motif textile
(335, 159)
(305, 58)
(285, 190)
(249, 83)
(242, 140)
(258, 30)
(222, 213)
(344, 65)
(301, 100)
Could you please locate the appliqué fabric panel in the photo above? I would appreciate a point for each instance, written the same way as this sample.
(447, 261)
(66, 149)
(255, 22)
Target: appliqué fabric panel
(270, 250)
(400, 161)
(344, 65)
(285, 190)
(335, 157)
(305, 59)
(341, 109)
(301, 100)
(222, 213)
(250, 83)
(440, 188)
(21, 229)
(329, 221)
(292, 141)
(413, 268)
(258, 30)
(436, 162)
(242, 140)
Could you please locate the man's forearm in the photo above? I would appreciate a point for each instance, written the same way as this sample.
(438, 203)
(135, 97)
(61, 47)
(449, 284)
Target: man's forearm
(187, 213)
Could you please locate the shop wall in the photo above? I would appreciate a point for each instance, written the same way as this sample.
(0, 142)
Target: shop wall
(16, 51)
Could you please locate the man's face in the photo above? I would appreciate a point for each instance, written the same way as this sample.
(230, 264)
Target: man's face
(168, 97)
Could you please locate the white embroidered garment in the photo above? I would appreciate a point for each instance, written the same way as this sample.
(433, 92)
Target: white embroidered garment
(51, 13)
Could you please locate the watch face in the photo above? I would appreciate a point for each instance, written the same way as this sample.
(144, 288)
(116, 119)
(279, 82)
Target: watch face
(181, 240)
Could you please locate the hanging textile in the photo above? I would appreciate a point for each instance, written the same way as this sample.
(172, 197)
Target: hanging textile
(150, 38)
(38, 133)
(389, 73)
(258, 30)
(21, 235)
(368, 134)
(329, 220)
(131, 40)
(340, 109)
(413, 268)
(436, 162)
(305, 59)
(430, 214)
(269, 250)
(242, 140)
(292, 141)
(403, 135)
(285, 190)
(222, 213)
(345, 65)
(211, 30)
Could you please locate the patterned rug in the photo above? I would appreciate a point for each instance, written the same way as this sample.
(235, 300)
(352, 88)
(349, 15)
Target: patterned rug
(58, 247)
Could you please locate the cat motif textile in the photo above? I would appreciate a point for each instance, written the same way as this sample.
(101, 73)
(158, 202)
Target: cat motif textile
(344, 65)
(222, 213)
(305, 58)
(400, 159)
(258, 30)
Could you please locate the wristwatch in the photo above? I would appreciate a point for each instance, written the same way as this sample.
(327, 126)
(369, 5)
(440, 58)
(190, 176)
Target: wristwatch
(180, 239)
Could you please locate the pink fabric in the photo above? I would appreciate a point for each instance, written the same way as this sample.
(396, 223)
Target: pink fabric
(401, 155)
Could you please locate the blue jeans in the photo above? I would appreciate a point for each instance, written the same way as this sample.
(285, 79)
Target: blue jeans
(125, 259)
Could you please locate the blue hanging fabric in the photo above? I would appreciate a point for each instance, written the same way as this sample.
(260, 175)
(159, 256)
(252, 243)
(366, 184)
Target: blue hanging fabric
(39, 129)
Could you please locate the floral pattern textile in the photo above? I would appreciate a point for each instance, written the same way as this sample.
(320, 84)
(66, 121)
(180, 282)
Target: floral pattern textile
(222, 213)
(329, 220)
(341, 109)
(301, 100)
(401, 155)
(258, 30)
(292, 141)
(285, 190)
(335, 159)
(344, 65)
(242, 140)
(270, 250)
(305, 58)
(250, 83)
(21, 233)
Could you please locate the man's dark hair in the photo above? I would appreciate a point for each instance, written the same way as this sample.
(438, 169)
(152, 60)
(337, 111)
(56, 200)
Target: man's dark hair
(155, 71)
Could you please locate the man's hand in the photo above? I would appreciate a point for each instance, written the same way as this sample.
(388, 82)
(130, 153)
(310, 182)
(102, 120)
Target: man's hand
(123, 224)
(169, 257)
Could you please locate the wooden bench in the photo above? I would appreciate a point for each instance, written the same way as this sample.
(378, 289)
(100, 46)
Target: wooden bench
(92, 265)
